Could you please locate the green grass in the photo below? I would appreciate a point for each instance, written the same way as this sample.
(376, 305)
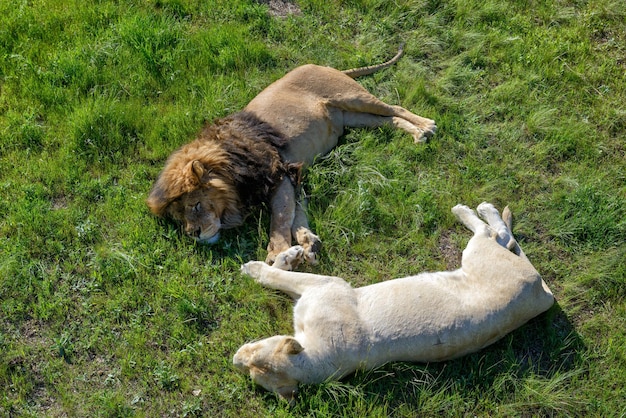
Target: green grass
(107, 311)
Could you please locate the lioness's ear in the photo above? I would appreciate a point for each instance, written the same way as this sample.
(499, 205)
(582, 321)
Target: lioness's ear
(290, 346)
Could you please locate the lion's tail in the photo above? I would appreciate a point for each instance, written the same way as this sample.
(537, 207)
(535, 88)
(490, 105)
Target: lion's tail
(358, 72)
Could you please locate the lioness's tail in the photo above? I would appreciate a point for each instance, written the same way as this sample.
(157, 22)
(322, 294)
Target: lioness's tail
(358, 72)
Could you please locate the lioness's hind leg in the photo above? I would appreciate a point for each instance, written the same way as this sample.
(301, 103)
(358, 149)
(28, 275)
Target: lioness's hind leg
(469, 218)
(507, 217)
(504, 235)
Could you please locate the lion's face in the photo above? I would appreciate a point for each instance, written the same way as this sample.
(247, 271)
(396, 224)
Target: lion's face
(201, 199)
(199, 215)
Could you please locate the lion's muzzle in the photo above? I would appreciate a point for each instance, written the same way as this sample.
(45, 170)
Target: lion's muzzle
(211, 239)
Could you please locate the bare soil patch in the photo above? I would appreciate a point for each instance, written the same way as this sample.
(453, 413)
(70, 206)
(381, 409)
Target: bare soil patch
(281, 8)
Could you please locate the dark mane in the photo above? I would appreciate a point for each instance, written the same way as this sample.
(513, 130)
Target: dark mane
(254, 162)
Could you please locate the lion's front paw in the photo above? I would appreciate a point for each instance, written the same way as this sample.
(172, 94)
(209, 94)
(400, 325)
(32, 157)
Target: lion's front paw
(311, 245)
(290, 258)
(253, 268)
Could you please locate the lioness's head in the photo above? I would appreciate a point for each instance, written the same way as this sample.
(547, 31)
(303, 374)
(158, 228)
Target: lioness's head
(269, 363)
(195, 190)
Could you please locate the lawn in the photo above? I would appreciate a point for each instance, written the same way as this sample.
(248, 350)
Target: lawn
(106, 310)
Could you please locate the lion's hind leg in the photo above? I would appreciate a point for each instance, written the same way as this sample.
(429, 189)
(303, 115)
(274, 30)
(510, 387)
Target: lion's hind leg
(426, 125)
(354, 103)
(368, 120)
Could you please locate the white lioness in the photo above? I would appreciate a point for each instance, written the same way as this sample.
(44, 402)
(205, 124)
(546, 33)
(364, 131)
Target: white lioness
(424, 318)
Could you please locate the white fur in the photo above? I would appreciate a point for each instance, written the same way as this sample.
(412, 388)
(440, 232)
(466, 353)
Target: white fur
(428, 317)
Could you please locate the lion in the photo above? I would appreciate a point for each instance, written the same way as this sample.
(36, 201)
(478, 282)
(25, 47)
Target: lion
(430, 317)
(256, 156)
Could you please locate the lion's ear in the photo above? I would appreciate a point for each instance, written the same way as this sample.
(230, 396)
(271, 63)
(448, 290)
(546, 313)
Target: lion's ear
(200, 171)
(290, 346)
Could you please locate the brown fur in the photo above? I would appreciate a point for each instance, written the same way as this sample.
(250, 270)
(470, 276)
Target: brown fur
(239, 167)
(256, 156)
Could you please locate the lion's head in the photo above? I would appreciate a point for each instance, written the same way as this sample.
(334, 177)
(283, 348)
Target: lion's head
(196, 190)
(210, 183)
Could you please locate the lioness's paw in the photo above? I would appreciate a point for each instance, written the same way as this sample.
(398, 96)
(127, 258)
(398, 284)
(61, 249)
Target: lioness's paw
(487, 210)
(253, 268)
(460, 209)
(290, 258)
